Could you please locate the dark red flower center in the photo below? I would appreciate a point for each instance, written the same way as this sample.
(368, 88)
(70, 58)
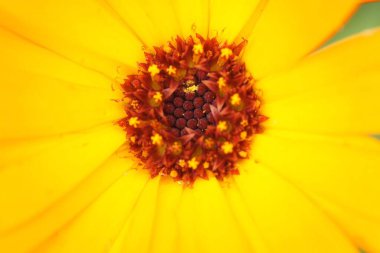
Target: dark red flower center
(192, 109)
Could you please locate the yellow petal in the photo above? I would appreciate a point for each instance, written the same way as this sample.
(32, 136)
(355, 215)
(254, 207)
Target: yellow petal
(165, 229)
(84, 32)
(95, 228)
(36, 231)
(188, 239)
(286, 31)
(44, 94)
(228, 17)
(340, 174)
(193, 16)
(37, 176)
(333, 91)
(285, 218)
(141, 220)
(155, 22)
(245, 219)
(215, 227)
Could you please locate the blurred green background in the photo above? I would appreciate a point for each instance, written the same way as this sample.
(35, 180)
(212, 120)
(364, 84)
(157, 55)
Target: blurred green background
(368, 16)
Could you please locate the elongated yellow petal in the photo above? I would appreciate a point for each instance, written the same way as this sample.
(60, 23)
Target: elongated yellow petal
(165, 229)
(333, 91)
(246, 221)
(84, 32)
(96, 227)
(215, 227)
(193, 16)
(44, 225)
(36, 176)
(154, 22)
(188, 239)
(141, 220)
(287, 220)
(223, 19)
(340, 173)
(287, 31)
(43, 94)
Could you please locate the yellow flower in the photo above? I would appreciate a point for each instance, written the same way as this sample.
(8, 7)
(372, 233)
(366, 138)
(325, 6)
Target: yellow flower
(66, 185)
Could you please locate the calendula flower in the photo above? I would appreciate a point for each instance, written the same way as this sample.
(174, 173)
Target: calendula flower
(300, 175)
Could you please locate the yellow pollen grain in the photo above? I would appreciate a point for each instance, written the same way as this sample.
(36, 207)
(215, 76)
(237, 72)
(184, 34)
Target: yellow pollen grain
(191, 89)
(227, 147)
(156, 139)
(134, 121)
(189, 83)
(244, 123)
(222, 126)
(193, 163)
(221, 82)
(181, 163)
(235, 99)
(132, 139)
(206, 165)
(243, 154)
(153, 70)
(173, 173)
(135, 104)
(243, 135)
(176, 147)
(209, 143)
(225, 52)
(157, 97)
(198, 49)
(144, 154)
(171, 70)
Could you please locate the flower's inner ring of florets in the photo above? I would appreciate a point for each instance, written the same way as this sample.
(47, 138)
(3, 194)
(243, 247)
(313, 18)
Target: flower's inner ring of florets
(192, 110)
(189, 107)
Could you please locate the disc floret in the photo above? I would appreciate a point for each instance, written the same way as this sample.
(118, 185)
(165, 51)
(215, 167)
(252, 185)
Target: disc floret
(192, 109)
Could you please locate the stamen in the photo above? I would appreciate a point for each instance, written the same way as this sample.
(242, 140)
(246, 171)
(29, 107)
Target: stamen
(227, 147)
(225, 52)
(153, 70)
(171, 70)
(134, 121)
(193, 163)
(156, 139)
(197, 116)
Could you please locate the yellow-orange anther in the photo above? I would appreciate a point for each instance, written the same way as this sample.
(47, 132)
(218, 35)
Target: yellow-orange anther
(156, 139)
(135, 104)
(227, 147)
(244, 122)
(193, 163)
(176, 147)
(134, 121)
(198, 48)
(235, 99)
(157, 97)
(181, 163)
(209, 143)
(221, 82)
(173, 173)
(243, 154)
(132, 139)
(171, 70)
(243, 135)
(206, 165)
(222, 126)
(153, 70)
(225, 52)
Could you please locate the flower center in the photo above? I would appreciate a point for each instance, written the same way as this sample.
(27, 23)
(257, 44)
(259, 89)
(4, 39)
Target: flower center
(192, 109)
